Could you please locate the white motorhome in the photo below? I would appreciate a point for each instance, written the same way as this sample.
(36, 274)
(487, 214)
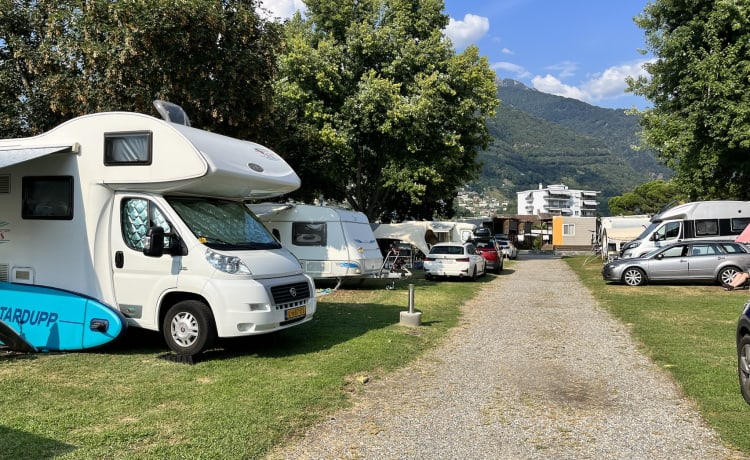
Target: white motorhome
(689, 221)
(148, 216)
(330, 242)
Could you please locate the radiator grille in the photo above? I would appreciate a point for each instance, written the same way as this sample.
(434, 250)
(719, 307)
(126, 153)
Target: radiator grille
(287, 293)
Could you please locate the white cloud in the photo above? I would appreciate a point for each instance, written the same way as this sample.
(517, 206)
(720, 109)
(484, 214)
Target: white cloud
(283, 9)
(607, 85)
(510, 70)
(564, 69)
(470, 30)
(551, 85)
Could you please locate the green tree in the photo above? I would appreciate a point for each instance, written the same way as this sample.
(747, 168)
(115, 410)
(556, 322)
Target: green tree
(700, 120)
(60, 59)
(377, 108)
(648, 198)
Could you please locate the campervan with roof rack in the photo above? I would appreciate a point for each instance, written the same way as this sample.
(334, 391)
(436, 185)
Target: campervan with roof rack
(148, 216)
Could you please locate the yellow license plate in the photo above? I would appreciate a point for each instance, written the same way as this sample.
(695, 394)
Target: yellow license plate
(296, 312)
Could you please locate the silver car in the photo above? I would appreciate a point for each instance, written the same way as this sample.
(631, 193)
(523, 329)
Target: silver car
(717, 261)
(454, 259)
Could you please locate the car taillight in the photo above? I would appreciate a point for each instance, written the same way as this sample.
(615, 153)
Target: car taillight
(428, 259)
(463, 259)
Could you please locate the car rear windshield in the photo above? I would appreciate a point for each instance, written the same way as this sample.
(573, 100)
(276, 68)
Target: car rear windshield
(447, 250)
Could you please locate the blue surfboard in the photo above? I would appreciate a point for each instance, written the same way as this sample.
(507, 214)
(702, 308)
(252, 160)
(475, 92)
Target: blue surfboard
(49, 319)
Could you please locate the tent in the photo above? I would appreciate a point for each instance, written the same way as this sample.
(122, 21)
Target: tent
(424, 234)
(744, 236)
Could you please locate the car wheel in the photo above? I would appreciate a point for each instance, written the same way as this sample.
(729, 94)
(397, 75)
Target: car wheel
(727, 274)
(189, 328)
(634, 276)
(743, 367)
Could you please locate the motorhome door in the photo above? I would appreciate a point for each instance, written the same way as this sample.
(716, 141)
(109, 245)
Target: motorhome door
(139, 280)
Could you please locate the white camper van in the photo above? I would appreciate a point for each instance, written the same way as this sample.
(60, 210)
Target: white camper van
(148, 216)
(330, 242)
(699, 219)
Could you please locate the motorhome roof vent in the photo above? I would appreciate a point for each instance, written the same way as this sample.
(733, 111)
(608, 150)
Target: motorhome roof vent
(172, 112)
(4, 183)
(4, 272)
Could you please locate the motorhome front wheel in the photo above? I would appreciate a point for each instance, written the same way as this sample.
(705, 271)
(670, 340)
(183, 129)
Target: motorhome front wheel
(189, 327)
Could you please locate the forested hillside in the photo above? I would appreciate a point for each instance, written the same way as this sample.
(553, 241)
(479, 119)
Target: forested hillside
(541, 138)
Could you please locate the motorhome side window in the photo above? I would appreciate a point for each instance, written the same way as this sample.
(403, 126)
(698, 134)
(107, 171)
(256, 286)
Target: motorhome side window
(47, 197)
(128, 148)
(137, 215)
(309, 234)
(707, 227)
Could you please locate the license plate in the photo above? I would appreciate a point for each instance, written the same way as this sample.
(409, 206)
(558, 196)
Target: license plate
(295, 312)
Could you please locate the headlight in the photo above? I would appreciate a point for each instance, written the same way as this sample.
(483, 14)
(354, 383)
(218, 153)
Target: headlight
(632, 245)
(227, 264)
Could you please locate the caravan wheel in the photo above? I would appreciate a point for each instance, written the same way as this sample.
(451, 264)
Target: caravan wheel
(189, 327)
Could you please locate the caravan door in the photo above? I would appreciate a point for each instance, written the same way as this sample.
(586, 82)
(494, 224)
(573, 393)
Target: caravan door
(139, 280)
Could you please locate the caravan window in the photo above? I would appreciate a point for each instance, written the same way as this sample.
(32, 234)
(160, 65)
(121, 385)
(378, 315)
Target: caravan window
(309, 234)
(128, 148)
(47, 197)
(707, 227)
(739, 223)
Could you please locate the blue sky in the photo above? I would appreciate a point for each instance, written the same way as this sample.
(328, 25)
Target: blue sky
(582, 49)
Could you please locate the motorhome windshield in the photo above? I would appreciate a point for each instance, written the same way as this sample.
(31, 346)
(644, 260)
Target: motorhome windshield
(648, 230)
(222, 224)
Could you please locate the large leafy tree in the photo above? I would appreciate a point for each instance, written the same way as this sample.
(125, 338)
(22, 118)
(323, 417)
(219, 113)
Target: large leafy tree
(699, 86)
(377, 107)
(648, 198)
(60, 59)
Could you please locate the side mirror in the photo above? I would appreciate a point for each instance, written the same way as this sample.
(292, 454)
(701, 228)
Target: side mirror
(153, 243)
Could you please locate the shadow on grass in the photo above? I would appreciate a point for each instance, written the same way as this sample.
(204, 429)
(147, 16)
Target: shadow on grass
(333, 323)
(35, 446)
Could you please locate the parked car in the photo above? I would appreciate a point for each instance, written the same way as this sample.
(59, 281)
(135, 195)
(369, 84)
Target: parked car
(743, 352)
(717, 261)
(493, 255)
(454, 259)
(509, 249)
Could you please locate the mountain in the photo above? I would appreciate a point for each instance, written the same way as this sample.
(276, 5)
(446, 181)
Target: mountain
(547, 139)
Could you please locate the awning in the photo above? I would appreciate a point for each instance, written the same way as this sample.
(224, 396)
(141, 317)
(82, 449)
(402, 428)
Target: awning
(10, 156)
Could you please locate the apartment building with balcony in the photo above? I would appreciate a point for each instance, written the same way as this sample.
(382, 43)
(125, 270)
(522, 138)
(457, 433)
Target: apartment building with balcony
(557, 200)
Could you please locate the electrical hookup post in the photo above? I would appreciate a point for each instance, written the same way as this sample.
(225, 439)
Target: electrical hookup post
(411, 317)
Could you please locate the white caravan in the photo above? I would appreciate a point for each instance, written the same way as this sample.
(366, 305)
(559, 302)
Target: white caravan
(148, 216)
(616, 231)
(689, 221)
(329, 242)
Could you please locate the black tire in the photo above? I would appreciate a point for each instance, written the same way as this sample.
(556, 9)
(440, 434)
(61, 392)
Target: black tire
(743, 366)
(726, 275)
(634, 276)
(189, 327)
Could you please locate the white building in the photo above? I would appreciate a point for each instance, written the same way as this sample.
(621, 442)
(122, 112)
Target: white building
(557, 200)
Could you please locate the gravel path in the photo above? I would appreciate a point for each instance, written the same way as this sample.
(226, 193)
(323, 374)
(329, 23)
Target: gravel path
(536, 370)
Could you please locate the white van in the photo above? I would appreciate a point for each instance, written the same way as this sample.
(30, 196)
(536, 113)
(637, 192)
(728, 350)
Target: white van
(331, 243)
(689, 221)
(148, 216)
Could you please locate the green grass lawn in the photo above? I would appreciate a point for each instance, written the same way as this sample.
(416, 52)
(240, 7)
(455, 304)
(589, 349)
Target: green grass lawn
(249, 395)
(124, 402)
(690, 331)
